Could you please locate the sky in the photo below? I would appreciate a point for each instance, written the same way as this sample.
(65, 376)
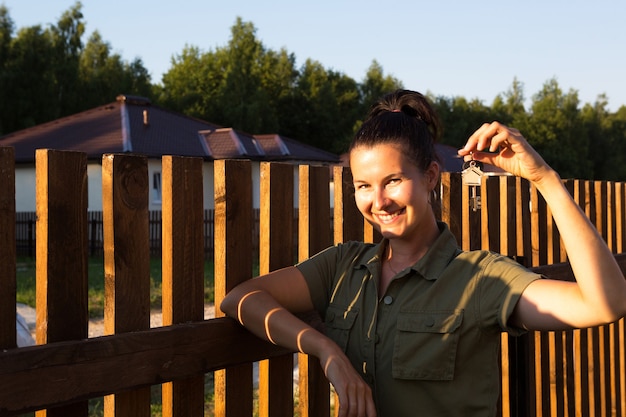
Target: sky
(474, 49)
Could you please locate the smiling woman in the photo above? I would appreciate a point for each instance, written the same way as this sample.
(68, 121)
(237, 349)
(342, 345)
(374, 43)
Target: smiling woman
(414, 320)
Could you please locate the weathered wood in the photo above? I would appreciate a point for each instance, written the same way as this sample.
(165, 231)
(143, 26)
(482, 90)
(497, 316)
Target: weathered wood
(125, 190)
(62, 312)
(61, 283)
(60, 373)
(490, 214)
(8, 265)
(314, 213)
(233, 264)
(450, 199)
(182, 286)
(347, 220)
(276, 241)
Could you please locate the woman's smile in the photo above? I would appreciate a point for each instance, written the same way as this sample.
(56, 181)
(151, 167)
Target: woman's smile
(388, 218)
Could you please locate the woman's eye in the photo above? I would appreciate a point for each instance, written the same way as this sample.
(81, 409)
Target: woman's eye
(394, 181)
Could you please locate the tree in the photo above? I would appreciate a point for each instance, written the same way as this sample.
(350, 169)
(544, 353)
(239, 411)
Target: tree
(376, 84)
(606, 135)
(555, 130)
(30, 96)
(104, 75)
(190, 85)
(6, 34)
(242, 85)
(67, 46)
(508, 107)
(46, 73)
(459, 118)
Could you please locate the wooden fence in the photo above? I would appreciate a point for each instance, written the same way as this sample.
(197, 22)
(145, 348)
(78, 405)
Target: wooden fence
(26, 236)
(573, 373)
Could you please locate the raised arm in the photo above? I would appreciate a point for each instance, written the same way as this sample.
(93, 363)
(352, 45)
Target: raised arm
(599, 294)
(266, 306)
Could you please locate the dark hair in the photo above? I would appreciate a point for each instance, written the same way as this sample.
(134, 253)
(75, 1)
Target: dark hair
(404, 118)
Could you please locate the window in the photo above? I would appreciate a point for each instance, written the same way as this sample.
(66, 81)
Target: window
(156, 187)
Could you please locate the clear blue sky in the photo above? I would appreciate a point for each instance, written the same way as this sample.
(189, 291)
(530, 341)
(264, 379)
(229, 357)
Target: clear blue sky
(463, 48)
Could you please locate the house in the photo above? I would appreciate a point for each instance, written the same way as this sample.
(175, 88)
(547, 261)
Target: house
(133, 125)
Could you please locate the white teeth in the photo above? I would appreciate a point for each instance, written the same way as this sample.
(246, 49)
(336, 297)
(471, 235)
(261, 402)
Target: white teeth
(386, 217)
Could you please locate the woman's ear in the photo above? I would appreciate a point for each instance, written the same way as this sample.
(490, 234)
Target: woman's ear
(432, 174)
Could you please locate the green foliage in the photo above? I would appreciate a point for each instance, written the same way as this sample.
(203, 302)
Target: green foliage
(46, 73)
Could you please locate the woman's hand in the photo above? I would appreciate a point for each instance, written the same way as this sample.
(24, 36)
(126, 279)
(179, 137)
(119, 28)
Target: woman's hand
(506, 148)
(355, 396)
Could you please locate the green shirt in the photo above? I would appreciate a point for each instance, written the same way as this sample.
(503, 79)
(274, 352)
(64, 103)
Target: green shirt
(429, 346)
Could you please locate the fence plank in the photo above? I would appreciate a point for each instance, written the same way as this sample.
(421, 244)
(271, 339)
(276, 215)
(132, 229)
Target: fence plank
(8, 316)
(61, 283)
(125, 190)
(347, 220)
(233, 264)
(60, 373)
(183, 270)
(276, 251)
(314, 235)
(450, 200)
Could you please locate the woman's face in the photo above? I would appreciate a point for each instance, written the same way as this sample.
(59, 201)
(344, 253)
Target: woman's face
(390, 191)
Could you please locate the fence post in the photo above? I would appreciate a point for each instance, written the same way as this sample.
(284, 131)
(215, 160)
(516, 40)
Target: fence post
(126, 263)
(61, 284)
(8, 315)
(314, 233)
(276, 251)
(182, 270)
(233, 264)
(347, 220)
(450, 197)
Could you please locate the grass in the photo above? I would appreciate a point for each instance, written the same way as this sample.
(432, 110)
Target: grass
(26, 283)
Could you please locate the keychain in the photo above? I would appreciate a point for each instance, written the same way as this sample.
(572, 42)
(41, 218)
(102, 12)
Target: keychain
(471, 176)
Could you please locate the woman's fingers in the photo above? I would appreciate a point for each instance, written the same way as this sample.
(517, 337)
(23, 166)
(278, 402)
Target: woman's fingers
(506, 148)
(355, 396)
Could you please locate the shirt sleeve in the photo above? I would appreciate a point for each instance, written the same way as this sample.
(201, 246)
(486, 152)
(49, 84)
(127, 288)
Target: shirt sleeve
(318, 272)
(502, 285)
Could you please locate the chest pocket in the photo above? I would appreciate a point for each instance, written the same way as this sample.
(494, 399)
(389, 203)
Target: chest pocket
(338, 323)
(425, 345)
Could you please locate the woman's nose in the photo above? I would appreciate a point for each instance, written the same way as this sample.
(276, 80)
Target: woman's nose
(380, 199)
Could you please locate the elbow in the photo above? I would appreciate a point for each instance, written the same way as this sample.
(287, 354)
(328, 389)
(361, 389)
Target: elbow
(229, 304)
(617, 307)
(620, 311)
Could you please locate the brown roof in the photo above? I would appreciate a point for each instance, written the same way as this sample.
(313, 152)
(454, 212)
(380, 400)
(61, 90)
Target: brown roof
(133, 124)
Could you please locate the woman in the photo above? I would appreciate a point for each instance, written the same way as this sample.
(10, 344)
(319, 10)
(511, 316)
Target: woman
(412, 324)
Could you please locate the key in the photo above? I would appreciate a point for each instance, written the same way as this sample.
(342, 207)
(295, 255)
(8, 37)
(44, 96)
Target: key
(471, 176)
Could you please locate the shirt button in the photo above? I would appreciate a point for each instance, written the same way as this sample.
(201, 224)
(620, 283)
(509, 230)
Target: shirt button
(429, 322)
(388, 299)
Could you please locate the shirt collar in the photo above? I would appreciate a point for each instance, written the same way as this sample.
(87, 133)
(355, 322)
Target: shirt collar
(431, 265)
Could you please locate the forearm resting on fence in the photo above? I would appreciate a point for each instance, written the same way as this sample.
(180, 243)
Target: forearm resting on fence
(266, 307)
(261, 314)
